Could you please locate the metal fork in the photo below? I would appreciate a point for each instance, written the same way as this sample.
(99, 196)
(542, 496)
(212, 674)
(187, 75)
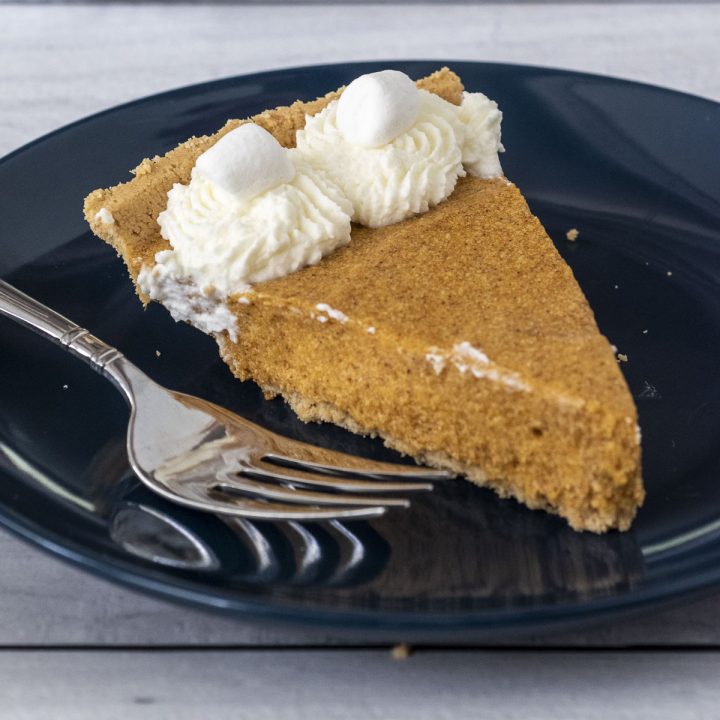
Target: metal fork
(201, 455)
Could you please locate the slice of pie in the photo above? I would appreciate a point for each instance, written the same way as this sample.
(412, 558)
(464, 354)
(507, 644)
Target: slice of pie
(458, 336)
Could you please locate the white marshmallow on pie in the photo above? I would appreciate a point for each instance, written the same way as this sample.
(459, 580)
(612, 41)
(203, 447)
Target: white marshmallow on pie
(375, 108)
(246, 162)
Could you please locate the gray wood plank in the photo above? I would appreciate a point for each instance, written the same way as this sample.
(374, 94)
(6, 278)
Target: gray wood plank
(358, 685)
(61, 63)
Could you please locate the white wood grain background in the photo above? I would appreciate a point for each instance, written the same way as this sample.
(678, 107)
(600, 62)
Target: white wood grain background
(359, 685)
(59, 63)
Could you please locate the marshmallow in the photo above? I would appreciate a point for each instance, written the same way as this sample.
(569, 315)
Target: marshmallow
(246, 162)
(375, 108)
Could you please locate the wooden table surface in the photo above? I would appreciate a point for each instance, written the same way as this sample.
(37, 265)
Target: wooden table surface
(75, 646)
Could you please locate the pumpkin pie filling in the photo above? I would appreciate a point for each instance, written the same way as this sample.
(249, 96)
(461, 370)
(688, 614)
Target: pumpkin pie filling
(459, 336)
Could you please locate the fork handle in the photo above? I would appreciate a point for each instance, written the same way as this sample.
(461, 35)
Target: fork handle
(102, 357)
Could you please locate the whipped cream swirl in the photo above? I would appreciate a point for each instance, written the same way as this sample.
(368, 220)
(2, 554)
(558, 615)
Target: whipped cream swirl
(481, 142)
(415, 170)
(221, 240)
(224, 238)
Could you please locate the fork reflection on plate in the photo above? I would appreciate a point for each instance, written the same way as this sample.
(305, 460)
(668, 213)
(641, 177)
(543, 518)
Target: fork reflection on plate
(201, 455)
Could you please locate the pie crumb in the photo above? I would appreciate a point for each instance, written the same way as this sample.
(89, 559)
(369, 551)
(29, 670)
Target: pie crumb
(157, 353)
(669, 273)
(622, 357)
(572, 234)
(402, 651)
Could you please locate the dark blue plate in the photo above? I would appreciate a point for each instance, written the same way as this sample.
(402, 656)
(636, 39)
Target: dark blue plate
(633, 167)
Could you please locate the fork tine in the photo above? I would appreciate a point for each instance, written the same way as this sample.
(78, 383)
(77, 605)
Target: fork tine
(339, 483)
(315, 459)
(197, 495)
(233, 482)
(253, 510)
